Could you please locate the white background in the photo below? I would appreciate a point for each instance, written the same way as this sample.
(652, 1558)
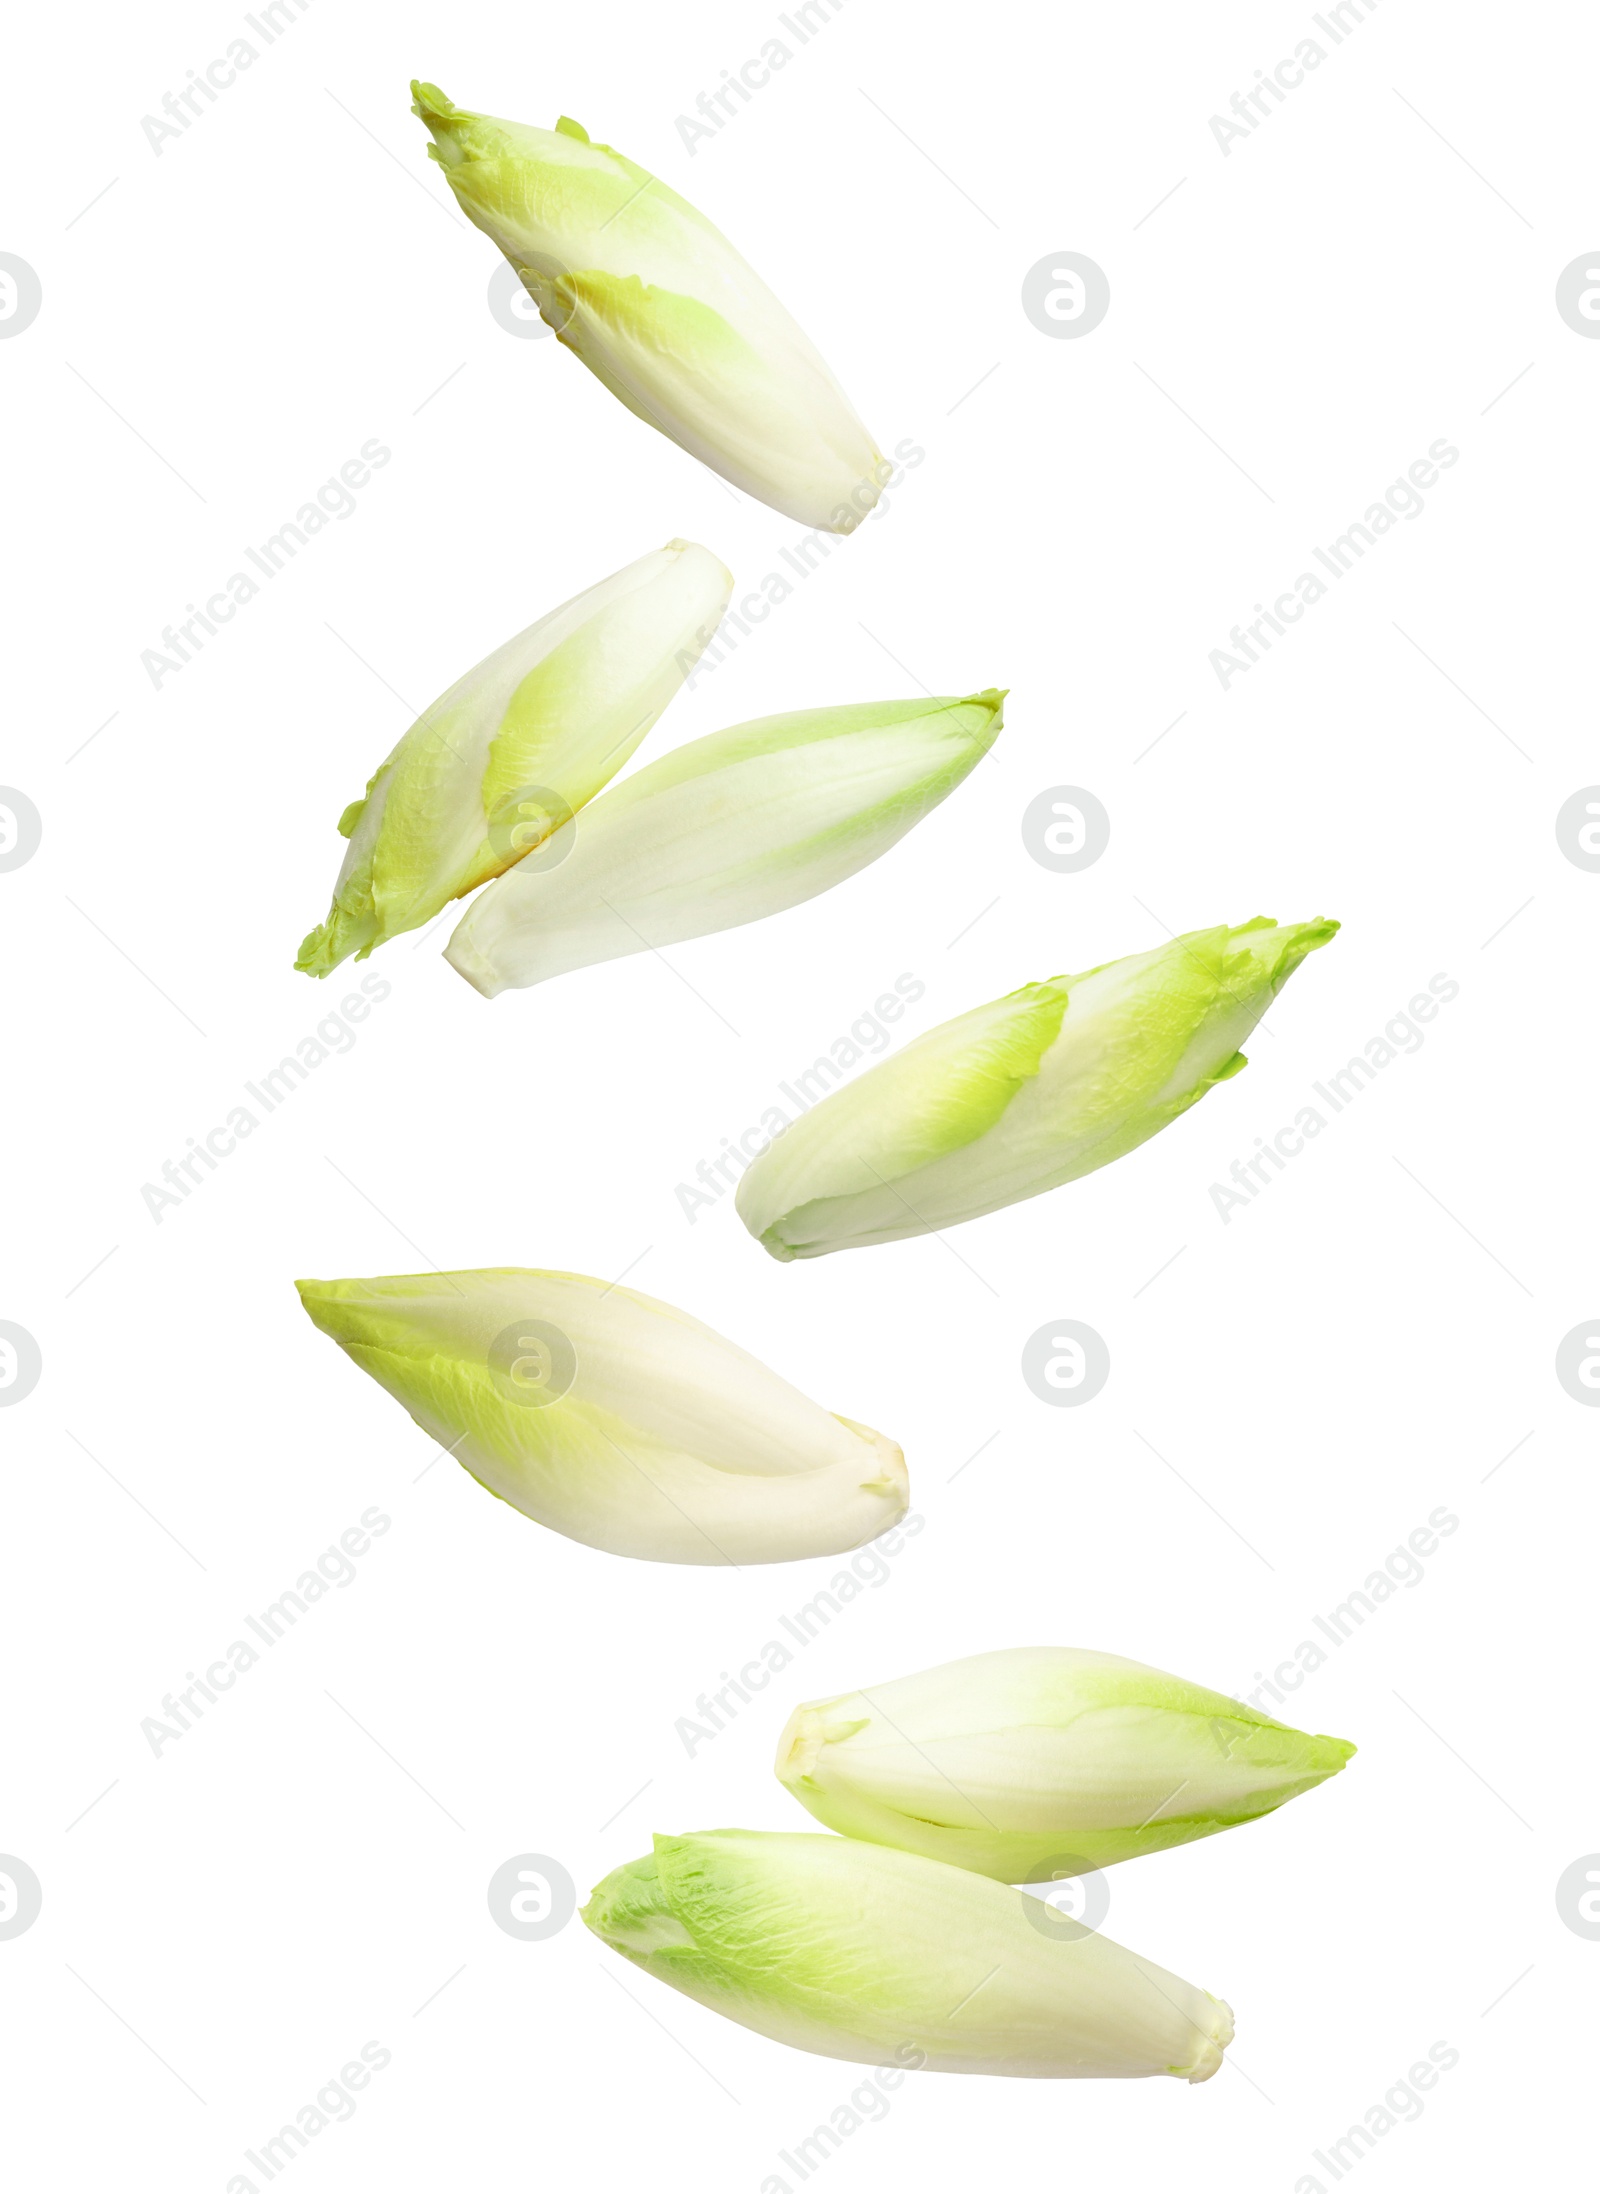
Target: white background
(225, 325)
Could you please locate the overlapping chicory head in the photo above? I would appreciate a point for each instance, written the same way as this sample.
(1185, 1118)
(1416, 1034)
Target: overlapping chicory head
(1020, 1095)
(722, 831)
(884, 1958)
(1039, 1762)
(662, 310)
(616, 1419)
(514, 748)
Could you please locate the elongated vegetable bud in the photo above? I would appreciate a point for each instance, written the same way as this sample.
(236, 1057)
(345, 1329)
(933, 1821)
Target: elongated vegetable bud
(1039, 1762)
(881, 1957)
(662, 310)
(725, 830)
(516, 747)
(1020, 1095)
(615, 1419)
